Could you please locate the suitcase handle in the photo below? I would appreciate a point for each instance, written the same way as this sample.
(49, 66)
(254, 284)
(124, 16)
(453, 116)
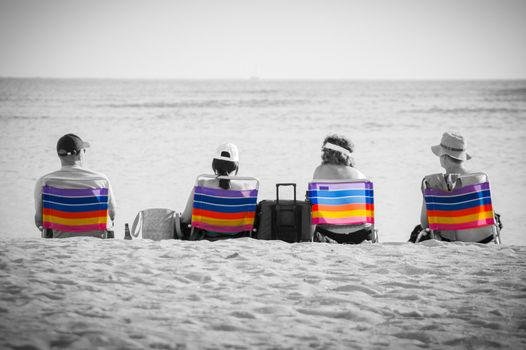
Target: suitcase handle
(285, 184)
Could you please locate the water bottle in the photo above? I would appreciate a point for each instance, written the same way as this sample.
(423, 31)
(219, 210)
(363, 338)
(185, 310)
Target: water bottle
(127, 234)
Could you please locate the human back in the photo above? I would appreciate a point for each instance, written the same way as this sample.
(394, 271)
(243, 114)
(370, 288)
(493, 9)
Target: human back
(225, 165)
(457, 179)
(74, 201)
(216, 183)
(337, 165)
(337, 172)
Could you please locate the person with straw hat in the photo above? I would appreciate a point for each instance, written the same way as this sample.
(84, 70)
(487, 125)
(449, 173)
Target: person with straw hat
(453, 154)
(466, 214)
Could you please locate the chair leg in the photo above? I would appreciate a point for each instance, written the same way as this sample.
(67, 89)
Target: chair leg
(192, 234)
(497, 236)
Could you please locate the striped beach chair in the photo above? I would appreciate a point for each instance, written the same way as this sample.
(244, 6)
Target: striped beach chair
(224, 213)
(342, 203)
(466, 211)
(75, 210)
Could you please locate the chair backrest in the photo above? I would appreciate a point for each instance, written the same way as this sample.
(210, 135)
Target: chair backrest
(75, 210)
(225, 211)
(466, 207)
(342, 203)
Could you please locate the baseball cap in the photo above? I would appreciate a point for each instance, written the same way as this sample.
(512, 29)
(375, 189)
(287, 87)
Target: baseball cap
(70, 144)
(227, 151)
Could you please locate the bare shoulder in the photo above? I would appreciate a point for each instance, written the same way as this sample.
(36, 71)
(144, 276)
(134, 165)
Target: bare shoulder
(356, 174)
(317, 172)
(337, 172)
(473, 178)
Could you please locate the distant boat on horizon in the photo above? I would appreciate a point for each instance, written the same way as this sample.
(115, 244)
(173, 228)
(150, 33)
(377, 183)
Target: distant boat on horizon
(255, 74)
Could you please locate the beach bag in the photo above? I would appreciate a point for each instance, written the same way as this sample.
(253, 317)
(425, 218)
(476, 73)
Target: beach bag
(155, 224)
(286, 220)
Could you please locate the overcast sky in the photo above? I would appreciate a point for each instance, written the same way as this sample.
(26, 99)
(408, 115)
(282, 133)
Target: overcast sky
(283, 39)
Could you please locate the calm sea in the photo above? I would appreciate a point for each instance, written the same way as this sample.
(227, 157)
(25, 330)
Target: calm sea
(152, 138)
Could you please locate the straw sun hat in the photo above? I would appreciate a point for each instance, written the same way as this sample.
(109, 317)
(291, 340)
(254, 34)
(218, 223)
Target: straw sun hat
(452, 144)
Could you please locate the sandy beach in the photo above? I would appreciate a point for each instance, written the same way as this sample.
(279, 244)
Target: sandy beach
(246, 294)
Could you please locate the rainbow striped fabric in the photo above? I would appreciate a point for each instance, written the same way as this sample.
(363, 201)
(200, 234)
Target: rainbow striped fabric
(75, 210)
(226, 211)
(342, 203)
(463, 208)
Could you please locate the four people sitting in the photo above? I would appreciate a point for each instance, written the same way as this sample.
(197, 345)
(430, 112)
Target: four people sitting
(75, 201)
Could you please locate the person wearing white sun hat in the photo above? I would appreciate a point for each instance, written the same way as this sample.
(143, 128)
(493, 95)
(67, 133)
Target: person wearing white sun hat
(338, 164)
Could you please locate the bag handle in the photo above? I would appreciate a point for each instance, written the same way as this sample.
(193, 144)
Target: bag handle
(138, 219)
(285, 184)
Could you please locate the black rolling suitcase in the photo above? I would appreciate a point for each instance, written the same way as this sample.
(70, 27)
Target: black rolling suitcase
(286, 220)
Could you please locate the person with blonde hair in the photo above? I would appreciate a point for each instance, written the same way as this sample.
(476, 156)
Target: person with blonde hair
(337, 164)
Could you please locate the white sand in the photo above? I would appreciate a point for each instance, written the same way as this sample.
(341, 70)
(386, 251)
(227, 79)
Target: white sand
(87, 293)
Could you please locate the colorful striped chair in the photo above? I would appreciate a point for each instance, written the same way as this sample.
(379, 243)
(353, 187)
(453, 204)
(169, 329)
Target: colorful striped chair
(465, 212)
(223, 213)
(342, 203)
(75, 210)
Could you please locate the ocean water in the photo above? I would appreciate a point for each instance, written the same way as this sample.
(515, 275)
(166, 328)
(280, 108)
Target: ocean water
(152, 138)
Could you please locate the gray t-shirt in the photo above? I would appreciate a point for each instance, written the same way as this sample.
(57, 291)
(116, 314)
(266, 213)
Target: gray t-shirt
(73, 177)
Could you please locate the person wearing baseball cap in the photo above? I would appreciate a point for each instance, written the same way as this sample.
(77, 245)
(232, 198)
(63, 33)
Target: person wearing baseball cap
(70, 144)
(225, 162)
(73, 174)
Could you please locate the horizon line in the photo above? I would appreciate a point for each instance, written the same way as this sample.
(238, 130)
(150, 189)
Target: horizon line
(260, 79)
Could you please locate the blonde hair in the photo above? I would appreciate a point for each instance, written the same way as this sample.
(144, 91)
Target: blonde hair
(330, 156)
